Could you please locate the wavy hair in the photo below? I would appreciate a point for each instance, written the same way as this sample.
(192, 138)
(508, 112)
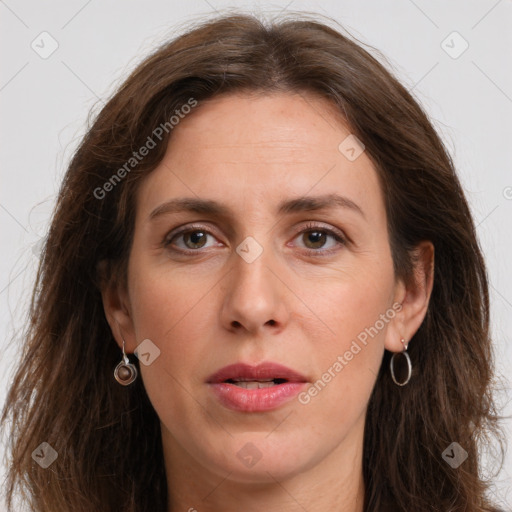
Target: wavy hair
(108, 437)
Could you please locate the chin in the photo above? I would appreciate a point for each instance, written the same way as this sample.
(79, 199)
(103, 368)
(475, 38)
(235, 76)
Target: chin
(254, 458)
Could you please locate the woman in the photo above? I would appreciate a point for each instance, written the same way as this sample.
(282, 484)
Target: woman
(261, 290)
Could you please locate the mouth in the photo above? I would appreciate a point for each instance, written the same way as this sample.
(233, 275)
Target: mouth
(255, 384)
(247, 388)
(267, 374)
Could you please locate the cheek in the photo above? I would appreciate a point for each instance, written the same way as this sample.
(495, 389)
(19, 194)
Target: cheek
(354, 308)
(356, 314)
(178, 326)
(176, 314)
(163, 297)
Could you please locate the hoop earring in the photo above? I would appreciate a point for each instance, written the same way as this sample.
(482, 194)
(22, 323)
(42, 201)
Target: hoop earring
(125, 372)
(409, 365)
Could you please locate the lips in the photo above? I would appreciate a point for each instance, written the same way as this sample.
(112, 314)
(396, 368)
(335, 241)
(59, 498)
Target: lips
(264, 387)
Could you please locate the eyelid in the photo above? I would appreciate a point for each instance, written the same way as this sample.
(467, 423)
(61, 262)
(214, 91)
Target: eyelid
(321, 227)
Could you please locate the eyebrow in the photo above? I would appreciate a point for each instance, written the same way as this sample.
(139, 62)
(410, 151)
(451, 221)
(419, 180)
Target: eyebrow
(214, 208)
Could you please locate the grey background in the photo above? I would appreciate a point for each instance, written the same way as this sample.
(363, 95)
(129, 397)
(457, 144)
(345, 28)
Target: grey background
(45, 103)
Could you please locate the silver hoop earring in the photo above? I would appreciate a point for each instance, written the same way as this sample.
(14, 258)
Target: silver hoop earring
(409, 365)
(125, 372)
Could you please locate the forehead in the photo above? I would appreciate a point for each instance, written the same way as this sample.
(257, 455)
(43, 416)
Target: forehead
(247, 149)
(282, 125)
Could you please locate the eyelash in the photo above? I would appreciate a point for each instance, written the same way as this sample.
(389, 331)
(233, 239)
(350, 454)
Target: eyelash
(308, 228)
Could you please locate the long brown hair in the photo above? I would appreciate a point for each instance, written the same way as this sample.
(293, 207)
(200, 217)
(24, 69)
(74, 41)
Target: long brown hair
(108, 437)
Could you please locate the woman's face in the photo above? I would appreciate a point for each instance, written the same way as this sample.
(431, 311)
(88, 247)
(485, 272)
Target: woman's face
(289, 265)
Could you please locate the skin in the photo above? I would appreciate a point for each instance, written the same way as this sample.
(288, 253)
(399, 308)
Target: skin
(212, 308)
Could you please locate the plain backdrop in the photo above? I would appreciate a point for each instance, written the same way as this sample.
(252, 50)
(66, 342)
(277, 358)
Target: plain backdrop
(453, 55)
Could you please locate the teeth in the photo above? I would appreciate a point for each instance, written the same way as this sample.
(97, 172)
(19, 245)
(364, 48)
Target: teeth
(250, 380)
(253, 384)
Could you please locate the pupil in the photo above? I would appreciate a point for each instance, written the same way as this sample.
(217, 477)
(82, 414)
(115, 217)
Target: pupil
(318, 235)
(195, 236)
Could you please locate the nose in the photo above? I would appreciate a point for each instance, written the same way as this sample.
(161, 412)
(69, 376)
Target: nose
(255, 299)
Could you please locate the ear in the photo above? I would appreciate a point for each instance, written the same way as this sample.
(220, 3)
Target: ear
(116, 305)
(414, 298)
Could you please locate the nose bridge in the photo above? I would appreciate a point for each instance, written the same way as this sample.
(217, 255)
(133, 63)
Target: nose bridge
(253, 298)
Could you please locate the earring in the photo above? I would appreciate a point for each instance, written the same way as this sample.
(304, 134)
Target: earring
(125, 372)
(409, 366)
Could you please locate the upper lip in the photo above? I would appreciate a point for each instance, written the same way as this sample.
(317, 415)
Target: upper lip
(263, 371)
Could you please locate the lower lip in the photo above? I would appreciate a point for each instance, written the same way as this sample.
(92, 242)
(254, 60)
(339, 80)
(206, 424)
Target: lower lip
(256, 400)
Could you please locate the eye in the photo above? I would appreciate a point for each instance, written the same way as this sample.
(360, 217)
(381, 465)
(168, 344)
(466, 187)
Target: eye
(315, 238)
(193, 238)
